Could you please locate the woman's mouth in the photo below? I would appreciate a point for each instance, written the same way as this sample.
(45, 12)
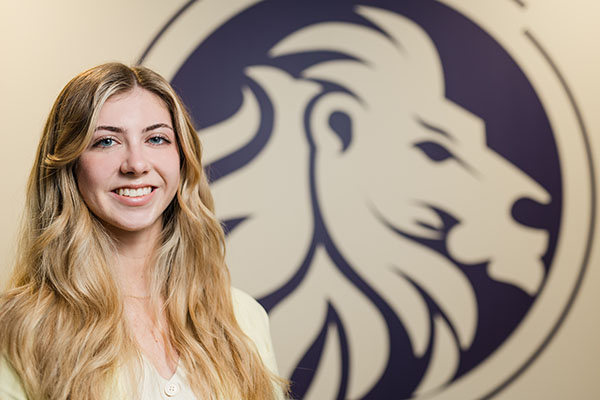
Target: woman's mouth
(131, 192)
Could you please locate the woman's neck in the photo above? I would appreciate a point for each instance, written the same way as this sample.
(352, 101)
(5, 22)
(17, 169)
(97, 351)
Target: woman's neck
(134, 252)
(147, 324)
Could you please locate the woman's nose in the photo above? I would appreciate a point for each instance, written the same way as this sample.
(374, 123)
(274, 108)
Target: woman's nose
(135, 161)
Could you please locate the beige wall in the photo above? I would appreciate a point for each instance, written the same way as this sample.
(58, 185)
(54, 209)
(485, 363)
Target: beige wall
(43, 44)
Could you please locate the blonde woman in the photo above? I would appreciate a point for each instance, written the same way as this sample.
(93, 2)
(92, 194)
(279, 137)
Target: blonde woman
(120, 290)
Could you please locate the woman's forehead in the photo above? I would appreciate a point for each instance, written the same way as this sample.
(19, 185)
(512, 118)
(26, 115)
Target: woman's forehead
(134, 106)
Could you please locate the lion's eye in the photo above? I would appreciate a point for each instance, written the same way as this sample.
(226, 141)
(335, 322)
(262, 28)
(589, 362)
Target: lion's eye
(434, 151)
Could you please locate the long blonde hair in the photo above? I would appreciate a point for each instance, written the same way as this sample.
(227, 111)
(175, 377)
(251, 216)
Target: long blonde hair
(62, 325)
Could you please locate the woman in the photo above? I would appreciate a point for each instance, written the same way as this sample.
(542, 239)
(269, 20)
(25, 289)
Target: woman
(120, 288)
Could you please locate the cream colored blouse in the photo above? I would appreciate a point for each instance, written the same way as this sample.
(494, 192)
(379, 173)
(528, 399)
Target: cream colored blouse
(251, 317)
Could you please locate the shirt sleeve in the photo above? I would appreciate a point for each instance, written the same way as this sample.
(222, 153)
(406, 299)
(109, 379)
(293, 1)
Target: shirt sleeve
(11, 387)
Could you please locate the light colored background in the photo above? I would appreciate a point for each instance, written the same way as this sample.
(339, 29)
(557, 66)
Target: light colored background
(44, 44)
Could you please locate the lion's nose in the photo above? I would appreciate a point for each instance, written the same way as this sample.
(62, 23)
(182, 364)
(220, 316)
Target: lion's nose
(535, 192)
(532, 203)
(530, 212)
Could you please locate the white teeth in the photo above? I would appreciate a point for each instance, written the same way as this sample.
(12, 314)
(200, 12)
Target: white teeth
(134, 192)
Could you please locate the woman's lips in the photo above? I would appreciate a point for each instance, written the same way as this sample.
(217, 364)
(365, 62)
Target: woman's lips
(134, 192)
(134, 196)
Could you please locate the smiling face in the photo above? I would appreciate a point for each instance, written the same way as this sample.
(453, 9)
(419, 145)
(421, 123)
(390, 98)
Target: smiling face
(129, 173)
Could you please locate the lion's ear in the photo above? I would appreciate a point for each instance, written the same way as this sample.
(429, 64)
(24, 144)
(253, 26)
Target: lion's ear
(332, 122)
(341, 124)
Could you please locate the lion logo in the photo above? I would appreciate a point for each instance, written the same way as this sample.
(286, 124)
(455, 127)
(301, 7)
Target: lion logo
(379, 183)
(392, 228)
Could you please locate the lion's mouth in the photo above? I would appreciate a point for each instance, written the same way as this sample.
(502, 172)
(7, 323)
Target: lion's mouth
(432, 224)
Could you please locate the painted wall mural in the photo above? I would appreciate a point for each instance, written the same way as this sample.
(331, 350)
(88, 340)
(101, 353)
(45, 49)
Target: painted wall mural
(395, 179)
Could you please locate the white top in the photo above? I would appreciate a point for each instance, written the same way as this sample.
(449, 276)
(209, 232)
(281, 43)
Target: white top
(253, 321)
(155, 387)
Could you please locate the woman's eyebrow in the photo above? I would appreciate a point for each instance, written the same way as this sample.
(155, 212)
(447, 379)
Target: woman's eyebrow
(156, 126)
(109, 128)
(116, 129)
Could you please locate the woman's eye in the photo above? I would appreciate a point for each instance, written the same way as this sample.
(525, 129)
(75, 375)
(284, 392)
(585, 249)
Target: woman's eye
(435, 151)
(105, 142)
(157, 140)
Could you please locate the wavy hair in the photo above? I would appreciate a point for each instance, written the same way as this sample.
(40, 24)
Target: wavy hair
(62, 322)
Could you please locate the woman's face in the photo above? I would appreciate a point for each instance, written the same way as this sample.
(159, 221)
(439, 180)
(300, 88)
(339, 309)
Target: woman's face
(130, 172)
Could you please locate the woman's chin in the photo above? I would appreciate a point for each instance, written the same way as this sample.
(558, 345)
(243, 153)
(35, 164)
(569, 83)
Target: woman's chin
(132, 227)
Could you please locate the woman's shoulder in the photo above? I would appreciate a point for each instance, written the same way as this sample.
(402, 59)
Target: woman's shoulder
(244, 301)
(254, 321)
(11, 387)
(251, 316)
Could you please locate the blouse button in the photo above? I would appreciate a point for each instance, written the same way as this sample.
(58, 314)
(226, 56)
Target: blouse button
(171, 389)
